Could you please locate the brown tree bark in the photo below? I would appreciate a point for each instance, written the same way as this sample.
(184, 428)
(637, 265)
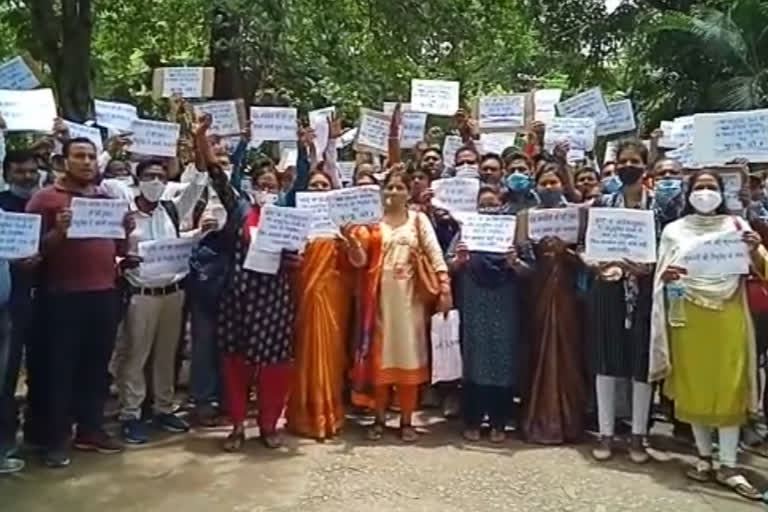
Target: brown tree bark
(225, 54)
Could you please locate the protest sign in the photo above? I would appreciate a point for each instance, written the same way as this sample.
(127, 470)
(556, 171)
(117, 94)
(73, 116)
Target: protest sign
(562, 223)
(373, 132)
(578, 132)
(720, 138)
(389, 106)
(495, 142)
(456, 194)
(488, 233)
(412, 131)
(666, 140)
(507, 111)
(611, 148)
(451, 145)
(620, 119)
(589, 103)
(347, 138)
(283, 227)
(97, 218)
(32, 110)
(683, 155)
(319, 203)
(614, 234)
(89, 132)
(162, 257)
(156, 138)
(118, 116)
(356, 205)
(186, 82)
(682, 131)
(346, 171)
(575, 155)
(228, 117)
(19, 235)
(544, 102)
(438, 97)
(15, 74)
(318, 120)
(715, 255)
(289, 157)
(273, 123)
(259, 260)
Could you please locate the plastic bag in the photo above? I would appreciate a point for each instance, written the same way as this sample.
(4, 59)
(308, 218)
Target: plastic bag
(446, 350)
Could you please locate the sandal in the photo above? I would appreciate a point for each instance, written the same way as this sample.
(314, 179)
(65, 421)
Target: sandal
(731, 478)
(497, 436)
(375, 431)
(472, 435)
(273, 440)
(234, 442)
(702, 471)
(637, 452)
(603, 450)
(408, 434)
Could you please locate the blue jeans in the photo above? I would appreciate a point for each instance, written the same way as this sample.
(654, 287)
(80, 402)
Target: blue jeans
(204, 365)
(7, 403)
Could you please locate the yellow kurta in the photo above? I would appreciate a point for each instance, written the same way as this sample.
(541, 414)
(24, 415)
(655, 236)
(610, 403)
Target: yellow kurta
(402, 318)
(709, 381)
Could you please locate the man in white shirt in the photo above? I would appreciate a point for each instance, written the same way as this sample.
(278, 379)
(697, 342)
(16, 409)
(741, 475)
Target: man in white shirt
(153, 319)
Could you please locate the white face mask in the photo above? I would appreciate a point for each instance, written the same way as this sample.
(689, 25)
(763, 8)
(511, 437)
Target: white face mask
(705, 201)
(262, 198)
(467, 171)
(125, 179)
(152, 190)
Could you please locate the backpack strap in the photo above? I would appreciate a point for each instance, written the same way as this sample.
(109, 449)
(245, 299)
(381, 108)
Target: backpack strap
(173, 213)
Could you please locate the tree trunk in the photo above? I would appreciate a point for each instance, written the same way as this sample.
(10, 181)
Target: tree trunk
(225, 54)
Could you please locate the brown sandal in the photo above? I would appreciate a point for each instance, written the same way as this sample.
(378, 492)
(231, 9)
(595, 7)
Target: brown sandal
(735, 481)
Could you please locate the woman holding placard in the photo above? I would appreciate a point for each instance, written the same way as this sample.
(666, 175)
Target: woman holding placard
(488, 294)
(326, 280)
(555, 398)
(619, 306)
(702, 339)
(397, 354)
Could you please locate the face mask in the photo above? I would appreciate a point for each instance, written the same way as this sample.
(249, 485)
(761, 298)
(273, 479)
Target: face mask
(467, 171)
(518, 182)
(262, 198)
(668, 189)
(152, 190)
(125, 179)
(550, 196)
(22, 192)
(705, 201)
(630, 175)
(610, 185)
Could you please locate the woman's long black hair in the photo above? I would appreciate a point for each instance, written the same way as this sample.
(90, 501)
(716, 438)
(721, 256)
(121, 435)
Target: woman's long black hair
(688, 209)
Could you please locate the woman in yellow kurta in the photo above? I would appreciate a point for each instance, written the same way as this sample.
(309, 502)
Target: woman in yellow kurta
(399, 352)
(702, 340)
(326, 278)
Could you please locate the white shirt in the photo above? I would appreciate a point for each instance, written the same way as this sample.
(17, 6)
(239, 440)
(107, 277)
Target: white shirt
(158, 225)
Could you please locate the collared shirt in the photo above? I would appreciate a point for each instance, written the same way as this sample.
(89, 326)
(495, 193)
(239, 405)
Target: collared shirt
(158, 225)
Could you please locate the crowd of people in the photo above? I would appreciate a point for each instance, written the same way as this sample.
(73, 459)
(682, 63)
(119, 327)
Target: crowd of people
(546, 334)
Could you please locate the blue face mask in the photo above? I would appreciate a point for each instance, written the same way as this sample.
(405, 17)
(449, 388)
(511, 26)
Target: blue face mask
(610, 185)
(550, 197)
(666, 190)
(518, 182)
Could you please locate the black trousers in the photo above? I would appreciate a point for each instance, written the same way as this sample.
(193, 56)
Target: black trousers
(80, 337)
(479, 401)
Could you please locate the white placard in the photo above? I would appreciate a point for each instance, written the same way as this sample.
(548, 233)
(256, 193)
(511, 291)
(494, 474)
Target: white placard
(283, 227)
(389, 106)
(373, 132)
(488, 233)
(186, 82)
(32, 110)
(683, 155)
(225, 120)
(347, 138)
(118, 116)
(16, 75)
(506, 111)
(620, 119)
(156, 138)
(544, 102)
(732, 185)
(578, 132)
(456, 194)
(346, 171)
(715, 255)
(451, 145)
(289, 157)
(562, 223)
(356, 205)
(19, 235)
(682, 131)
(259, 260)
(720, 138)
(438, 97)
(611, 150)
(666, 140)
(97, 218)
(496, 142)
(319, 203)
(589, 103)
(273, 123)
(575, 155)
(161, 257)
(412, 131)
(318, 120)
(89, 132)
(614, 234)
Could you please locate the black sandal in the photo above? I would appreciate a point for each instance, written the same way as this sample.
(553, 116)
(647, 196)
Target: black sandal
(375, 431)
(234, 442)
(273, 440)
(408, 434)
(702, 471)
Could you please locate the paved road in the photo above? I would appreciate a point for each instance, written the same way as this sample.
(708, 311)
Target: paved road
(440, 473)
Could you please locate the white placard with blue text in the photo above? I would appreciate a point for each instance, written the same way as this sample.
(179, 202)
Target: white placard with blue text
(164, 257)
(438, 97)
(319, 203)
(19, 235)
(488, 233)
(506, 111)
(284, 228)
(273, 123)
(16, 75)
(373, 133)
(544, 101)
(579, 133)
(456, 194)
(97, 218)
(715, 255)
(118, 116)
(156, 138)
(615, 234)
(356, 205)
(720, 138)
(225, 120)
(620, 119)
(589, 103)
(89, 132)
(562, 223)
(184, 82)
(32, 110)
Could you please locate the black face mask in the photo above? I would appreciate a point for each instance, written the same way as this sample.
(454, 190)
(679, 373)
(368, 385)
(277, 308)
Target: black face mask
(630, 175)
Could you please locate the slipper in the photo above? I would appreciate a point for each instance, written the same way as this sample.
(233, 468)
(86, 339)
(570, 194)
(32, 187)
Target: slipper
(408, 434)
(738, 483)
(375, 431)
(701, 472)
(234, 442)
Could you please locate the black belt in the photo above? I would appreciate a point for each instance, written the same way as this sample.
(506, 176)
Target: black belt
(159, 291)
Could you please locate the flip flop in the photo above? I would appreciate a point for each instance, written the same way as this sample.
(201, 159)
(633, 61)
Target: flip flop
(739, 484)
(701, 472)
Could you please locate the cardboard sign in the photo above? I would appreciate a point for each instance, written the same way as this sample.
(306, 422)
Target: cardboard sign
(495, 142)
(187, 82)
(438, 97)
(32, 110)
(614, 234)
(451, 145)
(259, 260)
(319, 203)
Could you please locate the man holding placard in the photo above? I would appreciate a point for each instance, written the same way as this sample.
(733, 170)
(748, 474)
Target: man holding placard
(82, 308)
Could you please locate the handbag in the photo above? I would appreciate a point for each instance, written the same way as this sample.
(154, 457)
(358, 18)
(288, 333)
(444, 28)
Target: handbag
(426, 283)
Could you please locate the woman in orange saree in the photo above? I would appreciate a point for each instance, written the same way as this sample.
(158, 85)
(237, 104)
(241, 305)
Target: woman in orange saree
(325, 283)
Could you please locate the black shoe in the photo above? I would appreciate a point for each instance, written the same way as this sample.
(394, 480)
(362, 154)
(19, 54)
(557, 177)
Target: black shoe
(171, 423)
(58, 458)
